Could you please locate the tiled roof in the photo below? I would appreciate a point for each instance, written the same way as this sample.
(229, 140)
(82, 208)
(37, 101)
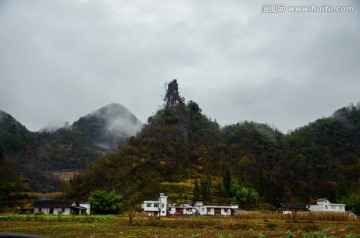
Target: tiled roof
(53, 203)
(294, 206)
(322, 200)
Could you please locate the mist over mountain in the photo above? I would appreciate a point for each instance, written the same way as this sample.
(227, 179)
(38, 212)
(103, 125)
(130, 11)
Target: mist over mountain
(107, 126)
(55, 125)
(111, 121)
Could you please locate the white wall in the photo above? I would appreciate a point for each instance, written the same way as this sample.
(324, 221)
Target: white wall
(88, 208)
(226, 211)
(172, 211)
(55, 211)
(190, 211)
(185, 211)
(327, 207)
(202, 210)
(151, 206)
(163, 205)
(205, 210)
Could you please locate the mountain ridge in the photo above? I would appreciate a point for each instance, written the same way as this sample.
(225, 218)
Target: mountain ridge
(180, 145)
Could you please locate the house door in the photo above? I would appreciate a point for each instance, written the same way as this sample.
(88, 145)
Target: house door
(217, 211)
(74, 211)
(179, 211)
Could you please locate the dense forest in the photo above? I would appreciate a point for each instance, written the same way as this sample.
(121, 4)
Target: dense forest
(187, 155)
(184, 153)
(29, 160)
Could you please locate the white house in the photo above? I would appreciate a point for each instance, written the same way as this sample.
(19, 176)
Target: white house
(66, 207)
(215, 210)
(154, 208)
(323, 205)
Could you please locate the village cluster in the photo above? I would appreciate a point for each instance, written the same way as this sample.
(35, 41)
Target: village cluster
(161, 207)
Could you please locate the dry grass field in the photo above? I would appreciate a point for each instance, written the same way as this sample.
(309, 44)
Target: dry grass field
(254, 225)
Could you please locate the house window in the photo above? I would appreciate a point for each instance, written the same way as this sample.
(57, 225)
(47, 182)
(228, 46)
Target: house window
(163, 205)
(208, 210)
(226, 210)
(326, 207)
(148, 204)
(156, 205)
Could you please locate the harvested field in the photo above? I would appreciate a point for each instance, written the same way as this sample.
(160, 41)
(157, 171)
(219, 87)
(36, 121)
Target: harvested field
(120, 226)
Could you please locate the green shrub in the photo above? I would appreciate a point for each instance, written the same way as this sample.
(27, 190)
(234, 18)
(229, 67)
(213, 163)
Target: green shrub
(314, 235)
(5, 218)
(103, 202)
(352, 236)
(289, 234)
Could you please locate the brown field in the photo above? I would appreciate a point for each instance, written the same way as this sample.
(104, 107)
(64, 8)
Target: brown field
(191, 227)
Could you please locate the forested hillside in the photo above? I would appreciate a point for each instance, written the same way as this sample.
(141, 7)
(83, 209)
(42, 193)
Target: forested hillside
(14, 138)
(29, 160)
(182, 152)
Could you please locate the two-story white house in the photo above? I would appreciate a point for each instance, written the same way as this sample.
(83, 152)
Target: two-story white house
(323, 205)
(156, 208)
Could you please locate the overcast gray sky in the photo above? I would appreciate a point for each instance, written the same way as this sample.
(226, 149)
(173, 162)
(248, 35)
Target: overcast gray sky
(62, 59)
